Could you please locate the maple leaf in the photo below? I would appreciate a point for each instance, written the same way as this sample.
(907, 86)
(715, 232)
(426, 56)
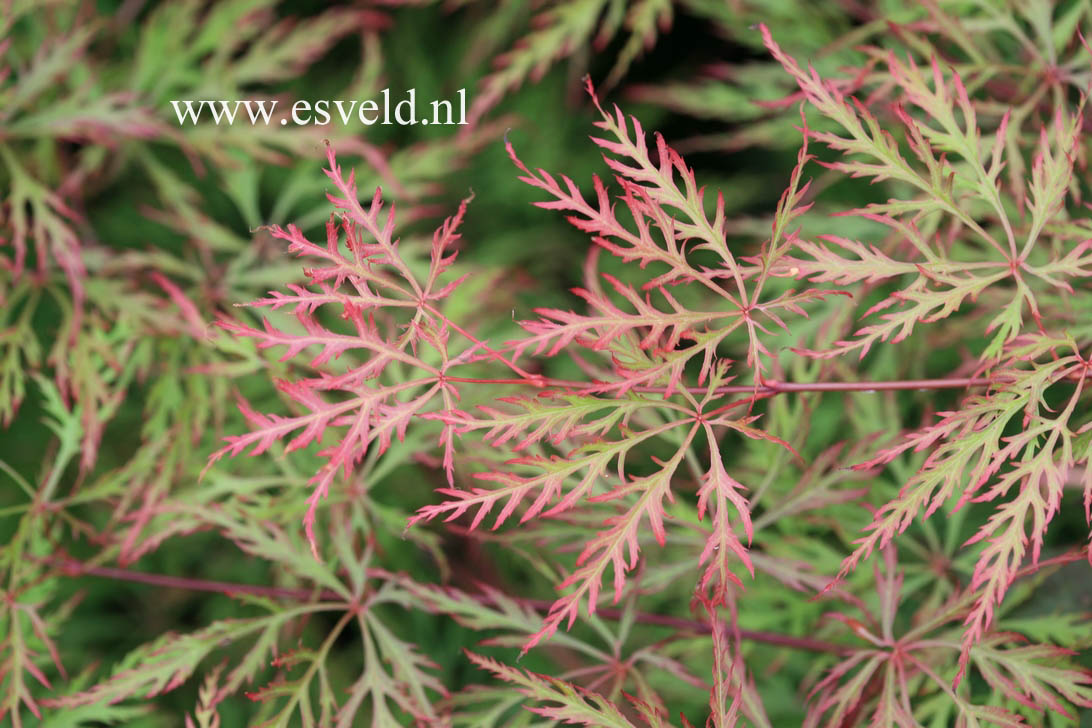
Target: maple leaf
(671, 227)
(363, 274)
(562, 701)
(890, 675)
(972, 450)
(964, 189)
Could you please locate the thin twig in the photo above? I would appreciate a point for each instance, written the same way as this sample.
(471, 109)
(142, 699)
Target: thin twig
(73, 567)
(770, 387)
(681, 624)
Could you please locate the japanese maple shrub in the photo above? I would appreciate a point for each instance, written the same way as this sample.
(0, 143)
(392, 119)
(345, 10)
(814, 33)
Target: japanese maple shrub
(640, 446)
(730, 427)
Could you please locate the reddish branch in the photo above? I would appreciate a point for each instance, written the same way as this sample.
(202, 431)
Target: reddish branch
(769, 387)
(73, 567)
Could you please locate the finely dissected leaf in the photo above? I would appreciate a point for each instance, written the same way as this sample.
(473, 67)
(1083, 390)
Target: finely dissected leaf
(561, 420)
(19, 349)
(167, 663)
(966, 191)
(29, 616)
(557, 699)
(404, 685)
(891, 675)
(971, 451)
(643, 19)
(363, 274)
(727, 692)
(26, 644)
(1045, 455)
(616, 547)
(668, 210)
(171, 660)
(562, 29)
(722, 547)
(1033, 675)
